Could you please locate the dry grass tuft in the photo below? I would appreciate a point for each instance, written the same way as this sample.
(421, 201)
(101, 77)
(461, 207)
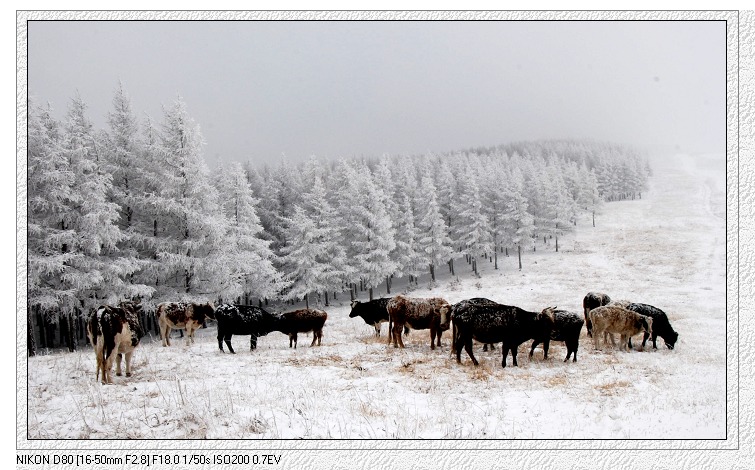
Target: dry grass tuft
(613, 388)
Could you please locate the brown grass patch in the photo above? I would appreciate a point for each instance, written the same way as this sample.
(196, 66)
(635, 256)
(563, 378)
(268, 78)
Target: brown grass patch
(613, 388)
(557, 381)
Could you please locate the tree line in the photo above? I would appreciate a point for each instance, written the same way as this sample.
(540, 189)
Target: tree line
(134, 211)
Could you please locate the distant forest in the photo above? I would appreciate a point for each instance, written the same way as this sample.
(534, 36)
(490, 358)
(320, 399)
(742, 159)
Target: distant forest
(133, 211)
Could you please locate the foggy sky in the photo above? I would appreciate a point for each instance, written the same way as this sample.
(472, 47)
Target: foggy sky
(337, 89)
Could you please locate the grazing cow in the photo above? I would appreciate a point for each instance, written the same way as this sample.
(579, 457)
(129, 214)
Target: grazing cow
(566, 327)
(490, 322)
(302, 321)
(661, 325)
(591, 301)
(182, 316)
(244, 320)
(373, 312)
(615, 319)
(417, 314)
(114, 331)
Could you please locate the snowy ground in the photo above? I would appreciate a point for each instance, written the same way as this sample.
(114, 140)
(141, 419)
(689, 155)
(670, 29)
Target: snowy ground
(667, 249)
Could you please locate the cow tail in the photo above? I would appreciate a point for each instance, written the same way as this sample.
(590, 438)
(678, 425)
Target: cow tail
(453, 337)
(108, 335)
(390, 327)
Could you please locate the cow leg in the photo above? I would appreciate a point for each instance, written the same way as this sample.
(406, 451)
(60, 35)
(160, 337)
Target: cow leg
(534, 344)
(296, 340)
(398, 329)
(624, 341)
(377, 329)
(107, 370)
(432, 338)
(165, 332)
(253, 342)
(316, 336)
(190, 329)
(546, 345)
(596, 340)
(290, 340)
(468, 348)
(514, 350)
(630, 343)
(128, 363)
(227, 339)
(588, 322)
(654, 337)
(504, 353)
(118, 359)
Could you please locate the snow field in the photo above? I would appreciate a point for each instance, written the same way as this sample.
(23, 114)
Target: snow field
(667, 249)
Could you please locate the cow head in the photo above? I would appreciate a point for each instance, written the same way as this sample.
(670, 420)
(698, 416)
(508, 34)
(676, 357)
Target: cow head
(445, 316)
(208, 309)
(354, 312)
(671, 340)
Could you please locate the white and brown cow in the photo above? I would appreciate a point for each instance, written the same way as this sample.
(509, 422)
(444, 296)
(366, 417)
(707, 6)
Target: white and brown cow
(417, 314)
(182, 316)
(114, 331)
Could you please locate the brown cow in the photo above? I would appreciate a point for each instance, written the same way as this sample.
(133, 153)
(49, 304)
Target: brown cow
(114, 331)
(417, 314)
(182, 315)
(615, 319)
(302, 321)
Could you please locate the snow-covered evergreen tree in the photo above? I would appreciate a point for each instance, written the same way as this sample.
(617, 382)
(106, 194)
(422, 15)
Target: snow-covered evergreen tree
(366, 228)
(434, 241)
(314, 257)
(50, 197)
(191, 229)
(473, 231)
(124, 160)
(518, 214)
(247, 258)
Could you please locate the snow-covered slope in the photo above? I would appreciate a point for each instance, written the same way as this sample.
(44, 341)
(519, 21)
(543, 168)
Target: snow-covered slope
(667, 249)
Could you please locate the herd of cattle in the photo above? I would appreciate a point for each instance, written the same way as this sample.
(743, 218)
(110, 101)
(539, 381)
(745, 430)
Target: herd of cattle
(115, 331)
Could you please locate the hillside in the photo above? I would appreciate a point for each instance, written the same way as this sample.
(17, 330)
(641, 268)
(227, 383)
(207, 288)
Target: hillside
(667, 249)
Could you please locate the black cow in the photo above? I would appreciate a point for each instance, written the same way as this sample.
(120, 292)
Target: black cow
(593, 300)
(567, 327)
(661, 325)
(489, 322)
(244, 320)
(373, 312)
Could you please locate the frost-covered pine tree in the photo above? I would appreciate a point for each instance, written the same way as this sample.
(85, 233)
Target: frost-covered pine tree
(559, 206)
(191, 229)
(473, 231)
(366, 228)
(434, 241)
(314, 258)
(124, 160)
(50, 197)
(516, 212)
(247, 258)
(409, 260)
(98, 274)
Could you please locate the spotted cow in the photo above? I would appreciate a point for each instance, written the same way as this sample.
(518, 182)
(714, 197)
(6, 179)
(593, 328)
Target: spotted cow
(114, 331)
(182, 316)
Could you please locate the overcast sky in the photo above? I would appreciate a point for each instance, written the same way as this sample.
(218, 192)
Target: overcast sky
(334, 89)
